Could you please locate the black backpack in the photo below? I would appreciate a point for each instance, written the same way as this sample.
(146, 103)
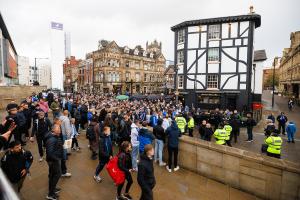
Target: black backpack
(90, 133)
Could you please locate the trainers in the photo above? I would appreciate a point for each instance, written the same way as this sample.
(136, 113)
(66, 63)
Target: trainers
(121, 198)
(57, 190)
(176, 168)
(169, 170)
(98, 179)
(78, 149)
(73, 149)
(162, 164)
(66, 174)
(127, 196)
(41, 159)
(51, 197)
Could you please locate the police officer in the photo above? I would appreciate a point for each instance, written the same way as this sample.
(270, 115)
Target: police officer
(191, 125)
(181, 122)
(274, 143)
(228, 130)
(220, 135)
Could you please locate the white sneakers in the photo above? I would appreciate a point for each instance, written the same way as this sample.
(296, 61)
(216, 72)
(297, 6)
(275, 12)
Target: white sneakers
(175, 169)
(98, 179)
(162, 164)
(41, 159)
(66, 174)
(169, 170)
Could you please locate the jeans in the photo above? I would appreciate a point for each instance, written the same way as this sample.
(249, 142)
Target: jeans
(102, 162)
(290, 136)
(159, 147)
(54, 175)
(55, 114)
(172, 151)
(191, 132)
(134, 155)
(63, 166)
(74, 142)
(250, 134)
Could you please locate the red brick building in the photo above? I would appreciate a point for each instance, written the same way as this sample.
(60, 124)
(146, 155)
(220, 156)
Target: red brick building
(70, 68)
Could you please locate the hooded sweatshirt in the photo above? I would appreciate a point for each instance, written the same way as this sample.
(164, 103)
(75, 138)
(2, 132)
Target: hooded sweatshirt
(291, 128)
(134, 135)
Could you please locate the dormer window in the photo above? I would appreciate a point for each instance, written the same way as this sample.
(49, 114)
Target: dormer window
(126, 50)
(151, 55)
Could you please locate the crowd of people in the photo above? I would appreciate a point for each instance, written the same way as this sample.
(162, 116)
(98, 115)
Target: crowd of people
(135, 132)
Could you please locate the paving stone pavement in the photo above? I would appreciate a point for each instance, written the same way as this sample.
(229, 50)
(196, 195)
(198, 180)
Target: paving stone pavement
(182, 184)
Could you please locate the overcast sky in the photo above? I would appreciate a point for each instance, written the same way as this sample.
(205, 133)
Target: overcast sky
(133, 22)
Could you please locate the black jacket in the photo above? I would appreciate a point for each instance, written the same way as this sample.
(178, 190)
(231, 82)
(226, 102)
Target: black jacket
(159, 133)
(2, 142)
(12, 165)
(124, 162)
(41, 127)
(145, 175)
(173, 133)
(105, 147)
(54, 147)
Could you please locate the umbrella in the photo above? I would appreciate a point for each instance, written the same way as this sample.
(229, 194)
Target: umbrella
(122, 97)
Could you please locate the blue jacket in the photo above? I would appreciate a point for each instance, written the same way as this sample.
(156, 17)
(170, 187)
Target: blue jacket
(145, 137)
(153, 120)
(291, 128)
(105, 147)
(173, 133)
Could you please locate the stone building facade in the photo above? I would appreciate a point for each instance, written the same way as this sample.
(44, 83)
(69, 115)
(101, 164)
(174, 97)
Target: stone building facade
(85, 74)
(289, 69)
(169, 76)
(70, 69)
(121, 69)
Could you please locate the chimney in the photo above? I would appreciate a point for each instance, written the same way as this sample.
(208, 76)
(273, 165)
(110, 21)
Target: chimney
(251, 10)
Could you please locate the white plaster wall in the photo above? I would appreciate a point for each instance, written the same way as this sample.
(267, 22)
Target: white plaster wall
(189, 83)
(258, 78)
(193, 40)
(180, 69)
(213, 68)
(201, 63)
(226, 43)
(243, 54)
(232, 83)
(202, 79)
(193, 29)
(180, 45)
(234, 30)
(242, 86)
(243, 27)
(225, 30)
(228, 65)
(213, 43)
(203, 40)
(191, 57)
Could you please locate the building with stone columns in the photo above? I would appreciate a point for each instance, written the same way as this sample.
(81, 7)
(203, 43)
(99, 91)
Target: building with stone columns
(289, 69)
(135, 70)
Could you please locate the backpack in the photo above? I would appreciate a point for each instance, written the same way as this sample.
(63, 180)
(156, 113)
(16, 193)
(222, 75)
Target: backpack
(114, 171)
(90, 133)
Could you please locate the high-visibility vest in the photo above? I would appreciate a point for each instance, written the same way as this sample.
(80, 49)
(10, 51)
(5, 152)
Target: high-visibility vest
(220, 135)
(181, 123)
(228, 130)
(274, 144)
(191, 123)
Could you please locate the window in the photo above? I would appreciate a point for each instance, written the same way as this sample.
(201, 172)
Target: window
(213, 54)
(180, 57)
(127, 76)
(214, 32)
(127, 64)
(180, 81)
(212, 81)
(181, 34)
(137, 77)
(146, 67)
(145, 77)
(137, 65)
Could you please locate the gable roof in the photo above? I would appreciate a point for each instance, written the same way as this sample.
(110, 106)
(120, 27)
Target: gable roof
(260, 55)
(251, 17)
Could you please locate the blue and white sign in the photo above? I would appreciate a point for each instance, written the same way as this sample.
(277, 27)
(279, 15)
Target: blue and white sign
(55, 25)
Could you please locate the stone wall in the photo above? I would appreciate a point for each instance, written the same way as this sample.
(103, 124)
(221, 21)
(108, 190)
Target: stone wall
(16, 93)
(263, 176)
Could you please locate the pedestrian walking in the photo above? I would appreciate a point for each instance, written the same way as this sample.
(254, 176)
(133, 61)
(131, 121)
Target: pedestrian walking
(145, 177)
(105, 152)
(135, 128)
(250, 123)
(74, 135)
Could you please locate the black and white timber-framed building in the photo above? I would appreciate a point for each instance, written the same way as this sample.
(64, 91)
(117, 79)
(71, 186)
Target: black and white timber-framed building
(214, 59)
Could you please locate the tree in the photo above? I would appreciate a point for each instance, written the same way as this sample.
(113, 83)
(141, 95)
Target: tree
(269, 81)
